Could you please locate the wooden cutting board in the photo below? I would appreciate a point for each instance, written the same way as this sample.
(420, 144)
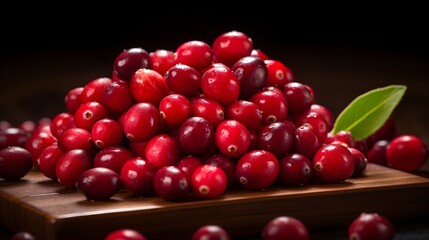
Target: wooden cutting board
(51, 212)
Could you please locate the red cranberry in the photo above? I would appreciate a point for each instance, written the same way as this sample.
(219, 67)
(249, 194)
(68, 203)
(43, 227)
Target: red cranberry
(125, 234)
(106, 132)
(220, 83)
(149, 86)
(171, 183)
(333, 163)
(295, 170)
(277, 138)
(259, 53)
(71, 165)
(196, 54)
(278, 73)
(93, 91)
(162, 60)
(227, 165)
(137, 176)
(117, 97)
(305, 141)
(162, 150)
(371, 226)
(38, 141)
(112, 157)
(48, 159)
(174, 109)
(75, 138)
(325, 113)
(195, 136)
(141, 122)
(246, 112)
(22, 235)
(232, 138)
(406, 152)
(231, 46)
(257, 170)
(183, 79)
(272, 103)
(15, 163)
(342, 136)
(188, 164)
(99, 183)
(129, 61)
(285, 227)
(317, 123)
(62, 122)
(299, 96)
(360, 162)
(209, 109)
(72, 99)
(252, 73)
(210, 232)
(377, 153)
(13, 136)
(89, 113)
(208, 181)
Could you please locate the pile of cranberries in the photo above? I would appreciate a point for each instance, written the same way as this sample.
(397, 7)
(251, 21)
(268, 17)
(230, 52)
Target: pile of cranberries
(197, 121)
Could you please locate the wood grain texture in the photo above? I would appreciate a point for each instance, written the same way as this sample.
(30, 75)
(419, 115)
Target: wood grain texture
(51, 212)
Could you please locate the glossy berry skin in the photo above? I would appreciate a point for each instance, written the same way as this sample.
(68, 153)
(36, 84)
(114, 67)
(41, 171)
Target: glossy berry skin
(162, 60)
(220, 83)
(295, 170)
(106, 132)
(112, 158)
(183, 79)
(48, 159)
(99, 183)
(196, 54)
(406, 152)
(252, 73)
(125, 234)
(317, 123)
(300, 97)
(360, 162)
(246, 112)
(71, 165)
(61, 122)
(13, 136)
(129, 61)
(306, 141)
(40, 139)
(149, 86)
(141, 122)
(171, 183)
(208, 181)
(89, 113)
(210, 232)
(72, 99)
(257, 170)
(162, 150)
(174, 109)
(117, 97)
(285, 228)
(209, 109)
(137, 176)
(371, 226)
(277, 138)
(333, 163)
(227, 165)
(15, 163)
(325, 113)
(188, 164)
(93, 91)
(232, 138)
(231, 46)
(342, 136)
(195, 136)
(272, 103)
(75, 138)
(377, 153)
(278, 73)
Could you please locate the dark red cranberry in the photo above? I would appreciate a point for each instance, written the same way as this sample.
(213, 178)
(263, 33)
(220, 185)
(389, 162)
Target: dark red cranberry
(252, 73)
(299, 96)
(125, 234)
(162, 150)
(317, 123)
(377, 153)
(171, 183)
(15, 163)
(231, 46)
(246, 112)
(285, 227)
(277, 138)
(371, 226)
(232, 138)
(183, 79)
(209, 109)
(162, 60)
(325, 113)
(112, 157)
(333, 163)
(48, 159)
(106, 132)
(195, 136)
(208, 181)
(305, 141)
(278, 73)
(210, 232)
(227, 165)
(406, 152)
(13, 136)
(272, 103)
(129, 61)
(360, 162)
(148, 86)
(196, 54)
(257, 170)
(71, 165)
(72, 99)
(117, 97)
(141, 122)
(259, 53)
(75, 138)
(295, 170)
(93, 91)
(38, 141)
(99, 183)
(220, 83)
(188, 164)
(137, 176)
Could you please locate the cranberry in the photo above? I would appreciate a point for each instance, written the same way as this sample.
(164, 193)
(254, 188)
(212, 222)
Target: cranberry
(89, 113)
(28, 126)
(209, 109)
(129, 61)
(333, 163)
(141, 122)
(62, 122)
(210, 232)
(162, 150)
(162, 60)
(183, 79)
(149, 86)
(15, 163)
(137, 148)
(278, 73)
(406, 152)
(246, 112)
(72, 99)
(196, 54)
(171, 183)
(259, 53)
(40, 139)
(231, 46)
(277, 138)
(48, 159)
(285, 227)
(195, 136)
(360, 162)
(71, 165)
(295, 170)
(106, 132)
(257, 170)
(220, 83)
(232, 138)
(252, 73)
(93, 91)
(371, 226)
(317, 123)
(188, 164)
(75, 138)
(208, 181)
(99, 183)
(272, 103)
(299, 96)
(377, 153)
(342, 136)
(125, 234)
(174, 109)
(325, 113)
(227, 165)
(13, 136)
(137, 176)
(305, 141)
(117, 97)
(22, 235)
(112, 157)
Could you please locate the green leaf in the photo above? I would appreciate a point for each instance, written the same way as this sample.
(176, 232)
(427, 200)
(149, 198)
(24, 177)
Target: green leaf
(368, 112)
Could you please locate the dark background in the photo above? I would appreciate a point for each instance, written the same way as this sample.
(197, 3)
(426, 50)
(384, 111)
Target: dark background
(341, 51)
